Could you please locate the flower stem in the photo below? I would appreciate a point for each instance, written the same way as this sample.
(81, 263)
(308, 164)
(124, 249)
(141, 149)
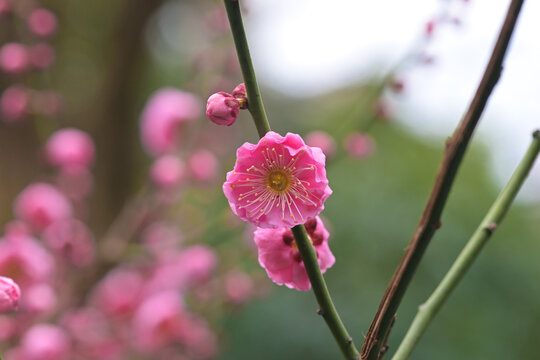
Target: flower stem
(493, 218)
(255, 104)
(430, 220)
(326, 306)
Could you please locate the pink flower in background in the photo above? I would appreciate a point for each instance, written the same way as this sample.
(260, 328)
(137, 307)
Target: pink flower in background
(323, 141)
(39, 298)
(75, 181)
(42, 22)
(279, 255)
(198, 339)
(162, 116)
(119, 293)
(40, 205)
(167, 171)
(158, 321)
(239, 287)
(14, 58)
(41, 55)
(160, 238)
(25, 261)
(71, 240)
(203, 165)
(14, 103)
(222, 109)
(70, 147)
(278, 182)
(359, 145)
(46, 342)
(5, 6)
(9, 295)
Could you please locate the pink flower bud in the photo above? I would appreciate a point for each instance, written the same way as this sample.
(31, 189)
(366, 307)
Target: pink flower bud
(203, 165)
(430, 27)
(41, 55)
(359, 145)
(42, 22)
(40, 205)
(222, 108)
(239, 91)
(14, 103)
(323, 141)
(167, 171)
(5, 6)
(14, 58)
(9, 295)
(70, 147)
(46, 342)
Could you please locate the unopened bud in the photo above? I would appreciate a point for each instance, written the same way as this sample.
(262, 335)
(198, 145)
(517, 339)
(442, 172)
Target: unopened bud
(222, 108)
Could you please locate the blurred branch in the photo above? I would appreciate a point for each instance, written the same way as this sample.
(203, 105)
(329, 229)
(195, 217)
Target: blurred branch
(430, 220)
(428, 310)
(255, 104)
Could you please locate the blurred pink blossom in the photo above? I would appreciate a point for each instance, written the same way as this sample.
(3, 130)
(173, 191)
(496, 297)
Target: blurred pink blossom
(46, 342)
(14, 58)
(41, 204)
(70, 147)
(198, 339)
(42, 22)
(75, 181)
(47, 102)
(158, 321)
(239, 287)
(279, 255)
(40, 298)
(5, 6)
(160, 237)
(222, 109)
(278, 182)
(9, 294)
(71, 240)
(162, 116)
(167, 171)
(14, 103)
(359, 145)
(322, 140)
(203, 165)
(41, 55)
(119, 293)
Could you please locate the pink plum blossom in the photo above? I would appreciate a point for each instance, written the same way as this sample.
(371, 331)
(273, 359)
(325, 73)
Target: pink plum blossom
(75, 181)
(41, 55)
(119, 293)
(9, 294)
(41, 204)
(197, 338)
(279, 255)
(359, 145)
(158, 321)
(71, 240)
(5, 6)
(14, 103)
(42, 22)
(239, 92)
(239, 287)
(70, 147)
(25, 261)
(167, 171)
(278, 182)
(222, 108)
(46, 342)
(160, 237)
(203, 165)
(162, 116)
(14, 58)
(323, 141)
(40, 298)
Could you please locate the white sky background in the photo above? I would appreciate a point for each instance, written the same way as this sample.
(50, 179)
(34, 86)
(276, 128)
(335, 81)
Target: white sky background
(309, 47)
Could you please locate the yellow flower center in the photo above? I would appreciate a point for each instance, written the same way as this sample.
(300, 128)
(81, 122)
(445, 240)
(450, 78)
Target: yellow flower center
(278, 181)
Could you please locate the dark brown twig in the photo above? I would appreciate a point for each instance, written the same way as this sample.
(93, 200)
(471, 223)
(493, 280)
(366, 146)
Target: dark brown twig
(455, 149)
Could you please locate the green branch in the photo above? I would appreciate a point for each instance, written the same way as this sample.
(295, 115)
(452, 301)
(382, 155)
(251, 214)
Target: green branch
(428, 310)
(255, 104)
(326, 307)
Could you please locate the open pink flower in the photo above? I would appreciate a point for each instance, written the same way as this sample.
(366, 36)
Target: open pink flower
(9, 294)
(162, 116)
(46, 342)
(279, 255)
(278, 182)
(70, 147)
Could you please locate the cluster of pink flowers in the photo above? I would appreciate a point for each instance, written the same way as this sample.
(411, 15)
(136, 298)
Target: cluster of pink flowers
(18, 59)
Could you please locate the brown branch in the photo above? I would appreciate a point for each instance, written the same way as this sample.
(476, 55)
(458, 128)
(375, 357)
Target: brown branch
(430, 220)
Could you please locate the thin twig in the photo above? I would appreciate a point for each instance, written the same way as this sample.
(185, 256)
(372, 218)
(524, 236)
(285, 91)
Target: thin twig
(430, 220)
(493, 218)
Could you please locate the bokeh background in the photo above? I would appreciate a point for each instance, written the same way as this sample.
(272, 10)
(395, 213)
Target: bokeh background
(111, 56)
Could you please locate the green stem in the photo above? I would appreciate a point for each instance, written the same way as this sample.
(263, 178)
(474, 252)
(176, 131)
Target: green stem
(326, 306)
(493, 218)
(255, 104)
